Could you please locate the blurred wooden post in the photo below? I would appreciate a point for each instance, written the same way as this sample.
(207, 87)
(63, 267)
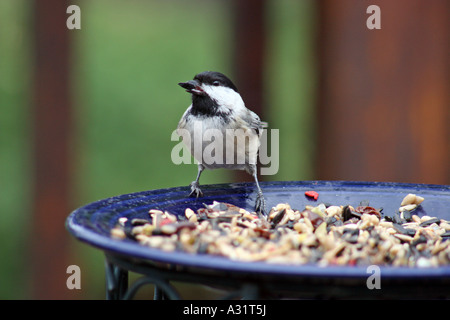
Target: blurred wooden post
(384, 94)
(249, 53)
(51, 134)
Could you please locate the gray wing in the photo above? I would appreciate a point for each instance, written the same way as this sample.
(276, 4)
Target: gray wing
(253, 121)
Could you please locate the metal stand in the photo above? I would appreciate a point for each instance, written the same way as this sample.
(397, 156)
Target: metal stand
(255, 287)
(117, 287)
(116, 282)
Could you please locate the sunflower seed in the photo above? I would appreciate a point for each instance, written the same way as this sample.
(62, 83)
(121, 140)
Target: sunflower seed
(429, 222)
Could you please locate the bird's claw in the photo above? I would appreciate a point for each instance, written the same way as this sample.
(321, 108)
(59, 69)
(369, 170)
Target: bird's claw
(195, 190)
(260, 204)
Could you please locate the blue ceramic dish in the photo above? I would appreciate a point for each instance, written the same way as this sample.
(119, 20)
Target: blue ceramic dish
(93, 222)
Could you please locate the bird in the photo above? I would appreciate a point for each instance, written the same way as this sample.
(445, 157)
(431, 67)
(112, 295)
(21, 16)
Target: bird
(218, 107)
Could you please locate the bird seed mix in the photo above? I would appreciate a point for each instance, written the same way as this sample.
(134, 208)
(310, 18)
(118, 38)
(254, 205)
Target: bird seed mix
(323, 234)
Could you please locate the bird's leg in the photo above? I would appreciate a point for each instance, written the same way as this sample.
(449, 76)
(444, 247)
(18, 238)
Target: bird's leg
(195, 186)
(260, 203)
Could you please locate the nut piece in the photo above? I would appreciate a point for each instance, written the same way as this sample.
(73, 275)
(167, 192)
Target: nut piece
(118, 233)
(408, 207)
(412, 199)
(190, 214)
(333, 210)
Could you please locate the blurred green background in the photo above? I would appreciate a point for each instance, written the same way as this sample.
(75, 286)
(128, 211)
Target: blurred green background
(127, 60)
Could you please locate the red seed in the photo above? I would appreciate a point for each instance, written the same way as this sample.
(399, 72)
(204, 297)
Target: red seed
(368, 210)
(312, 194)
(165, 221)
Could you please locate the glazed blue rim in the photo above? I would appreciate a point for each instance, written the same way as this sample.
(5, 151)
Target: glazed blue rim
(92, 223)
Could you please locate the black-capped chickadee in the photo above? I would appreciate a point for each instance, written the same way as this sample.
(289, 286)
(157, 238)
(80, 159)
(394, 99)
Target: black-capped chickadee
(218, 111)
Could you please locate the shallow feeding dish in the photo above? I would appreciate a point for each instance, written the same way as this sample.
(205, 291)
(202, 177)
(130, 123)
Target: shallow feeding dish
(92, 224)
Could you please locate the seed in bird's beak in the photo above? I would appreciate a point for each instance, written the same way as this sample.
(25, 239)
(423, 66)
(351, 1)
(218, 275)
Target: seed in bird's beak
(193, 87)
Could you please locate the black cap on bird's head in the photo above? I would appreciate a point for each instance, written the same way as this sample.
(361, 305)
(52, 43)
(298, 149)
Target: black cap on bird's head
(207, 78)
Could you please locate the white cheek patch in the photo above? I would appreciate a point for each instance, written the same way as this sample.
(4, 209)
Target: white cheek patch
(225, 97)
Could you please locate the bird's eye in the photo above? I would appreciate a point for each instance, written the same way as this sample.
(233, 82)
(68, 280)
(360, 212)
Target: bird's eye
(216, 83)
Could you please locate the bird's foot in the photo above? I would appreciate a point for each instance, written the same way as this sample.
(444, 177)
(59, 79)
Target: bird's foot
(260, 204)
(195, 190)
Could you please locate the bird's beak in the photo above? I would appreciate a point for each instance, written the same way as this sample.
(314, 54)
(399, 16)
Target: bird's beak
(192, 86)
